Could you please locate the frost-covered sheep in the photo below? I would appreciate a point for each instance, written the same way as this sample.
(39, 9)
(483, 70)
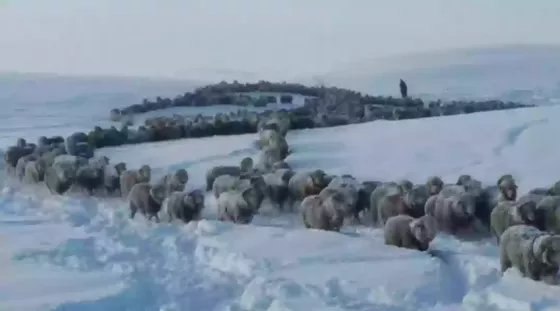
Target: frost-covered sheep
(348, 187)
(214, 172)
(323, 212)
(548, 211)
(111, 177)
(72, 141)
(463, 179)
(142, 198)
(21, 143)
(540, 191)
(364, 195)
(238, 206)
(60, 177)
(408, 232)
(70, 159)
(35, 171)
(225, 183)
(276, 187)
(303, 184)
(50, 156)
(99, 162)
(22, 163)
(454, 209)
(171, 182)
(386, 201)
(406, 185)
(509, 213)
(12, 156)
(265, 136)
(268, 156)
(534, 253)
(280, 165)
(434, 184)
(508, 187)
(246, 165)
(554, 189)
(129, 178)
(504, 190)
(90, 177)
(430, 206)
(415, 200)
(185, 206)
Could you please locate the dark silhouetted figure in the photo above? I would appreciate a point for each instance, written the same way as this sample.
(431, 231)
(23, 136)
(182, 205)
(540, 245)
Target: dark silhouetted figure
(404, 89)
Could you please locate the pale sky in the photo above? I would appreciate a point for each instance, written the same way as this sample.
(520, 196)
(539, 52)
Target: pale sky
(274, 39)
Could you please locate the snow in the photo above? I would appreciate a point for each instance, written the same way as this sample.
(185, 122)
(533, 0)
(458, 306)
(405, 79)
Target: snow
(516, 72)
(72, 253)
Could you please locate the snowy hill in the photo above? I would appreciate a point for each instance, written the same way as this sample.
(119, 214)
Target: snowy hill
(85, 254)
(527, 73)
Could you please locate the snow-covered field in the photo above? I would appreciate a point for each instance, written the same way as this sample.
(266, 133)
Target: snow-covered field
(526, 73)
(70, 253)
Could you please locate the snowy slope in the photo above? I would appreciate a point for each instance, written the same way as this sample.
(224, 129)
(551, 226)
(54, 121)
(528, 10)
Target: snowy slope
(85, 254)
(527, 73)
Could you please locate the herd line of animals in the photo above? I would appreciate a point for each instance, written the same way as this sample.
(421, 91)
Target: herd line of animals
(527, 228)
(323, 107)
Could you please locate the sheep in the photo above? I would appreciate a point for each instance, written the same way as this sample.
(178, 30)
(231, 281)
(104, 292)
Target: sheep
(463, 179)
(303, 184)
(268, 156)
(386, 201)
(364, 194)
(509, 213)
(238, 206)
(540, 191)
(430, 205)
(35, 171)
(90, 177)
(415, 200)
(276, 187)
(454, 209)
(225, 183)
(146, 200)
(22, 163)
(72, 141)
(434, 184)
(504, 190)
(214, 172)
(323, 212)
(405, 185)
(348, 187)
(186, 206)
(129, 178)
(548, 211)
(173, 182)
(408, 232)
(111, 177)
(50, 156)
(534, 253)
(12, 156)
(60, 177)
(246, 165)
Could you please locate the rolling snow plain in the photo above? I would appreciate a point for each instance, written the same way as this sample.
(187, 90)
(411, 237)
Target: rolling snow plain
(72, 253)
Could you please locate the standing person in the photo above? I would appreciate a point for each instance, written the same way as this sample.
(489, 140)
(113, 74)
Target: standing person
(404, 89)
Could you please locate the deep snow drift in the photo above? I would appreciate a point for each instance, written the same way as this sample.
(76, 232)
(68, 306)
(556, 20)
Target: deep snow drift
(82, 254)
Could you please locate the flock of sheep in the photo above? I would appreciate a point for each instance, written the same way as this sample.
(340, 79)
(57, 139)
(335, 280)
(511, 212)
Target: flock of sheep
(411, 215)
